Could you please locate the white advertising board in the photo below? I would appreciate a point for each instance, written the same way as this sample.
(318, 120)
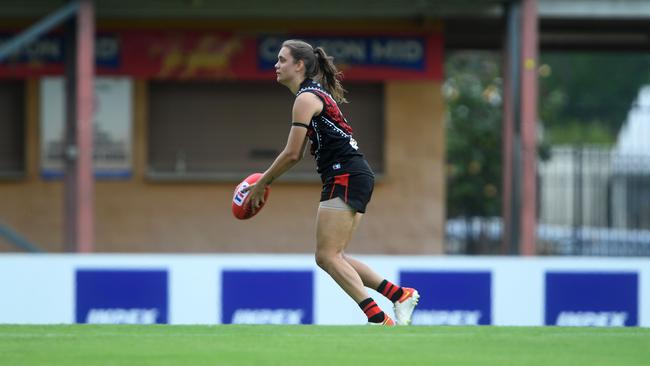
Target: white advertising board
(291, 289)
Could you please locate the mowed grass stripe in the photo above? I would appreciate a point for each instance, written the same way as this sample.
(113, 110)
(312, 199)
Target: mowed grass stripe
(89, 345)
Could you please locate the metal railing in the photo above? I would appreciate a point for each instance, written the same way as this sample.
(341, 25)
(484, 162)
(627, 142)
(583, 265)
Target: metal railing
(592, 201)
(15, 239)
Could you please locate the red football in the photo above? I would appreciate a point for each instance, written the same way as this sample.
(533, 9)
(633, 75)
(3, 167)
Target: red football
(241, 207)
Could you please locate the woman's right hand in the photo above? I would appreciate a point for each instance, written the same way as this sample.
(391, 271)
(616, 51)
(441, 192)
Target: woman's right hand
(256, 195)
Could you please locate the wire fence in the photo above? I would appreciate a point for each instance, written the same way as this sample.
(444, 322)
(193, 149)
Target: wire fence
(592, 201)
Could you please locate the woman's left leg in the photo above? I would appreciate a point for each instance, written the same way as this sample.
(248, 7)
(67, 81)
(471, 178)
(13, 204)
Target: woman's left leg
(404, 298)
(369, 277)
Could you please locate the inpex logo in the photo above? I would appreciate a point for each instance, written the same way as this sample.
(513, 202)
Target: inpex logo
(239, 197)
(591, 299)
(451, 298)
(121, 296)
(267, 297)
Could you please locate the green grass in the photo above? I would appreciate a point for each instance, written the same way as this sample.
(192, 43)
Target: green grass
(89, 345)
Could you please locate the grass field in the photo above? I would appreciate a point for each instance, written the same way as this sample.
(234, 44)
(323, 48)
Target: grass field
(88, 345)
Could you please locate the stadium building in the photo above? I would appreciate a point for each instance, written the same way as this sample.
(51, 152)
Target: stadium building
(186, 105)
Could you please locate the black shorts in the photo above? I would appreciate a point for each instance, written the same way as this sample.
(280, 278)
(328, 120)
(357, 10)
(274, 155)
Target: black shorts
(353, 185)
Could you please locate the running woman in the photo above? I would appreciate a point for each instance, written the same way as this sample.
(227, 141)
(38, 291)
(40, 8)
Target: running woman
(347, 179)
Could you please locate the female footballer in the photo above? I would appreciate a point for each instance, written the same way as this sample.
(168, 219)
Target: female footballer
(348, 181)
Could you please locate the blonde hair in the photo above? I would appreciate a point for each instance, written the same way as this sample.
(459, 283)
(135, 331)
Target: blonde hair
(319, 66)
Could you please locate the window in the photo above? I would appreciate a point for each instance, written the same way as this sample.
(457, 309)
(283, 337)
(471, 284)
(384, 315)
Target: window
(224, 131)
(12, 129)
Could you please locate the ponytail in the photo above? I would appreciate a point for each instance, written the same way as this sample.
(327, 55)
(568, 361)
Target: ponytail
(319, 66)
(330, 75)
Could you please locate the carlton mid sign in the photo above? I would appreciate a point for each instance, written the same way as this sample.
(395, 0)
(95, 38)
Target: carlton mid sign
(370, 57)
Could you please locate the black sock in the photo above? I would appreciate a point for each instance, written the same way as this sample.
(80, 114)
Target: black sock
(372, 310)
(390, 290)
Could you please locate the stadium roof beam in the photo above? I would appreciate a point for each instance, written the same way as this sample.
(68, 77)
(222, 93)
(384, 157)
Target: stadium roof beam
(601, 25)
(291, 9)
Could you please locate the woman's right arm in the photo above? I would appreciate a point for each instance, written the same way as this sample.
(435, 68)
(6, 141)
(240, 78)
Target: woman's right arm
(305, 107)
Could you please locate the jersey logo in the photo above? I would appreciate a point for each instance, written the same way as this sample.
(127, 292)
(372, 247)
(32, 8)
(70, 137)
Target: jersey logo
(353, 143)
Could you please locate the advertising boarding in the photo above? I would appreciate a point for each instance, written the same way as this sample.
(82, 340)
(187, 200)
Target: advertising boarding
(451, 298)
(591, 299)
(121, 296)
(267, 297)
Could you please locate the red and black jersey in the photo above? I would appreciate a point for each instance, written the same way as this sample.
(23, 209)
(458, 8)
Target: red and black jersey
(330, 134)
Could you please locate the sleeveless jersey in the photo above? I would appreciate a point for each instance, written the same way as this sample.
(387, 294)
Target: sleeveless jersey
(332, 144)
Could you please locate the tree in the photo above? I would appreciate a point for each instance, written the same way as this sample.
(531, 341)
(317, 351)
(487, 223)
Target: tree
(473, 92)
(585, 97)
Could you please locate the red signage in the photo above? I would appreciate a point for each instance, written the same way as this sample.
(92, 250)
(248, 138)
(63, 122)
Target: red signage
(200, 55)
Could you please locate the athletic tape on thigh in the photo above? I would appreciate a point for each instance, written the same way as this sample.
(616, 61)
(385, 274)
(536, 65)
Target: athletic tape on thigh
(335, 203)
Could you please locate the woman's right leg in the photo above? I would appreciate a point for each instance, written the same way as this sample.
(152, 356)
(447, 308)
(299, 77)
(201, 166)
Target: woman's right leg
(333, 232)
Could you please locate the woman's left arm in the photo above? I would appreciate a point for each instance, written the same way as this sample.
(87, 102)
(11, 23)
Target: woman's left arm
(305, 107)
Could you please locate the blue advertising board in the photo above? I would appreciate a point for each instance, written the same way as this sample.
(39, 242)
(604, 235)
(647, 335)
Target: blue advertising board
(451, 297)
(121, 296)
(50, 49)
(401, 52)
(267, 297)
(591, 299)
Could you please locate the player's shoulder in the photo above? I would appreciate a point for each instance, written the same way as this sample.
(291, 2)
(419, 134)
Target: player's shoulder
(308, 98)
(308, 103)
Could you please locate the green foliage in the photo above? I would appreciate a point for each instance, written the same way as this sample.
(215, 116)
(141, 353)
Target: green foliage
(473, 92)
(575, 132)
(585, 97)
